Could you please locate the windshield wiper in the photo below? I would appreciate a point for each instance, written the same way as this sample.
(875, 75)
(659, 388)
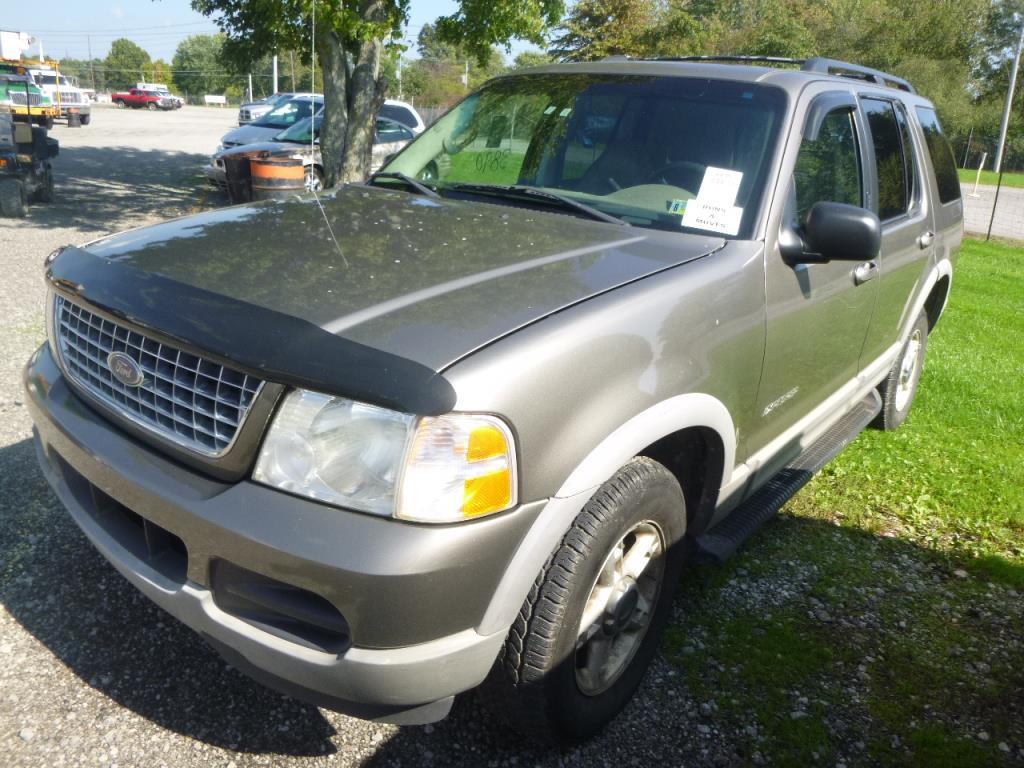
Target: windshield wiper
(409, 181)
(517, 190)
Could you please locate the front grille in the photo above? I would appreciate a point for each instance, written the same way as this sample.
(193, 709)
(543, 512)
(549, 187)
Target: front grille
(244, 114)
(188, 399)
(70, 97)
(18, 97)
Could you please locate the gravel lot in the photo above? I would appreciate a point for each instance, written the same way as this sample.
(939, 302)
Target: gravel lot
(92, 674)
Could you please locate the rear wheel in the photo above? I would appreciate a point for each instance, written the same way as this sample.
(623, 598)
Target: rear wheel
(44, 193)
(120, 103)
(12, 197)
(314, 179)
(900, 386)
(590, 626)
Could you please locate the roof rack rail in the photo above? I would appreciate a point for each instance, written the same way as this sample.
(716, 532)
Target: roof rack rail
(735, 59)
(818, 64)
(845, 69)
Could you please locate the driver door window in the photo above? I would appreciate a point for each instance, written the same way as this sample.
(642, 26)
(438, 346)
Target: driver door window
(828, 168)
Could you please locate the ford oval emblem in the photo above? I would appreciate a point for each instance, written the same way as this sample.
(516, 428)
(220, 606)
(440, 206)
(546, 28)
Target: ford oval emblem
(124, 369)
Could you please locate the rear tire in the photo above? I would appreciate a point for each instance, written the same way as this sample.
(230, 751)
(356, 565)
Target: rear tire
(120, 103)
(591, 624)
(44, 194)
(900, 386)
(12, 198)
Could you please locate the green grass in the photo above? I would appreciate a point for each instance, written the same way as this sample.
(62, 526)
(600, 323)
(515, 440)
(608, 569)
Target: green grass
(952, 478)
(888, 674)
(1010, 178)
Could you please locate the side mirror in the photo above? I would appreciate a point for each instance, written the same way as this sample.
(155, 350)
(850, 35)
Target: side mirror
(833, 232)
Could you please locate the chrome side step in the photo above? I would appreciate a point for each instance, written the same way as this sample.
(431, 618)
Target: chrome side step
(719, 543)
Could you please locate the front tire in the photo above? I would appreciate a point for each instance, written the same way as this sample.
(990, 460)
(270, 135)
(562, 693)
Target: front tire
(85, 119)
(44, 193)
(151, 106)
(900, 386)
(591, 624)
(12, 198)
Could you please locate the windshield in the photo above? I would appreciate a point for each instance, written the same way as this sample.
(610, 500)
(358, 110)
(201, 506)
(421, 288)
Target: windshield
(287, 114)
(45, 79)
(645, 149)
(302, 132)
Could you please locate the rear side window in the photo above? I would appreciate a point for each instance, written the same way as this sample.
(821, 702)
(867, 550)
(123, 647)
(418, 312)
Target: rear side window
(941, 154)
(399, 114)
(893, 190)
(828, 168)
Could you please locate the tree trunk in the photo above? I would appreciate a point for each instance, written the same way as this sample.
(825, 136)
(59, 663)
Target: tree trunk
(335, 124)
(366, 95)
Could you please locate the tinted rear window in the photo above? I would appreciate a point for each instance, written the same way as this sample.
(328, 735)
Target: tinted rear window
(941, 154)
(398, 114)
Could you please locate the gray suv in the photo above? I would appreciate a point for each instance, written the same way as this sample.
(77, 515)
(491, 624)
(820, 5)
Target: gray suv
(464, 423)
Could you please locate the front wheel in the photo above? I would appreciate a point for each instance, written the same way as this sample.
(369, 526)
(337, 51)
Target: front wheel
(590, 626)
(151, 107)
(900, 387)
(85, 119)
(12, 198)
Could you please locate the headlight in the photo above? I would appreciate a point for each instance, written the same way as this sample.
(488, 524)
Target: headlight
(439, 470)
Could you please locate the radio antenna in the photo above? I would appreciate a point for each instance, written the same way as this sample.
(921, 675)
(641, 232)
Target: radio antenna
(312, 135)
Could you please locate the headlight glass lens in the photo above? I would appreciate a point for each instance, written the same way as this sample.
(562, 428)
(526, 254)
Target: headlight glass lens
(442, 469)
(336, 450)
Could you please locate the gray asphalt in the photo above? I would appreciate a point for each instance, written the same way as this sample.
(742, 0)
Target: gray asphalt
(1009, 219)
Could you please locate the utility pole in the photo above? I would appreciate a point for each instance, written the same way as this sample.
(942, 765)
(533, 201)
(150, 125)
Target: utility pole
(399, 77)
(1009, 102)
(92, 74)
(291, 61)
(275, 74)
(250, 86)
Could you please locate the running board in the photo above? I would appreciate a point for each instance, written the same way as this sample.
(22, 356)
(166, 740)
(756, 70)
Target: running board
(719, 544)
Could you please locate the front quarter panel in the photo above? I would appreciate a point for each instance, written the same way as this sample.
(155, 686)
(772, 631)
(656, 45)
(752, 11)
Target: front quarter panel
(569, 381)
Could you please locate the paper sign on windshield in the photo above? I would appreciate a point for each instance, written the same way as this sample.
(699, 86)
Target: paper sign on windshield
(701, 214)
(713, 209)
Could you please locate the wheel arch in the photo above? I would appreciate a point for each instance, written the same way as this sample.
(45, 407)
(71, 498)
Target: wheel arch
(673, 431)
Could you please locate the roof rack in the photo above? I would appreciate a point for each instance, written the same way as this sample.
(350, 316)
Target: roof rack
(818, 64)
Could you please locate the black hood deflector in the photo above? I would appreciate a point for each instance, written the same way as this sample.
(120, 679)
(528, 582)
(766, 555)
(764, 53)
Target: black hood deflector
(269, 344)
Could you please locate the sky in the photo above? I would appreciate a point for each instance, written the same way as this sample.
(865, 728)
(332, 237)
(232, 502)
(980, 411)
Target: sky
(69, 27)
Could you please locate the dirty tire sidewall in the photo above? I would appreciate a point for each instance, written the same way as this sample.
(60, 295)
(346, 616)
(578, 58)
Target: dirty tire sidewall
(85, 119)
(536, 674)
(12, 198)
(891, 417)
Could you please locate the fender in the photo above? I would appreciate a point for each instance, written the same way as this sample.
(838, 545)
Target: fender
(943, 268)
(649, 426)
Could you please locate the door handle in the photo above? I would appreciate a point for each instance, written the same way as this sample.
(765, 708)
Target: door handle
(926, 239)
(865, 272)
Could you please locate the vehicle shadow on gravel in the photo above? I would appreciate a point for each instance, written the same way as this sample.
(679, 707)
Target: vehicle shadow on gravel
(779, 628)
(112, 188)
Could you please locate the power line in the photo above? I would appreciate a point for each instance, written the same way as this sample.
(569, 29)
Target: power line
(118, 29)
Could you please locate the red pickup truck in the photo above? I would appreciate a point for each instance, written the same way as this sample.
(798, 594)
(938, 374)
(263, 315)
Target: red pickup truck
(138, 99)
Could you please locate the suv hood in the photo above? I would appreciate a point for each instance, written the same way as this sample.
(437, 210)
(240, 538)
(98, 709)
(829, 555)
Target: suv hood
(418, 279)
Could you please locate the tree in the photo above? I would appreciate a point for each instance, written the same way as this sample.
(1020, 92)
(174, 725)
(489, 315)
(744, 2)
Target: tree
(528, 59)
(125, 65)
(350, 40)
(595, 29)
(198, 65)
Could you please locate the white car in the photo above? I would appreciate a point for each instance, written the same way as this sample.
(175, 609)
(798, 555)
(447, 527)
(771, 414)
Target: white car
(404, 113)
(252, 111)
(281, 117)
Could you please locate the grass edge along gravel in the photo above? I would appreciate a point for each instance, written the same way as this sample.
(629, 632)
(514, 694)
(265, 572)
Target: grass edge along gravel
(879, 620)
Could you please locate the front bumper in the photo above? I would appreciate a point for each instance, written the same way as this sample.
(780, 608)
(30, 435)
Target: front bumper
(81, 109)
(410, 595)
